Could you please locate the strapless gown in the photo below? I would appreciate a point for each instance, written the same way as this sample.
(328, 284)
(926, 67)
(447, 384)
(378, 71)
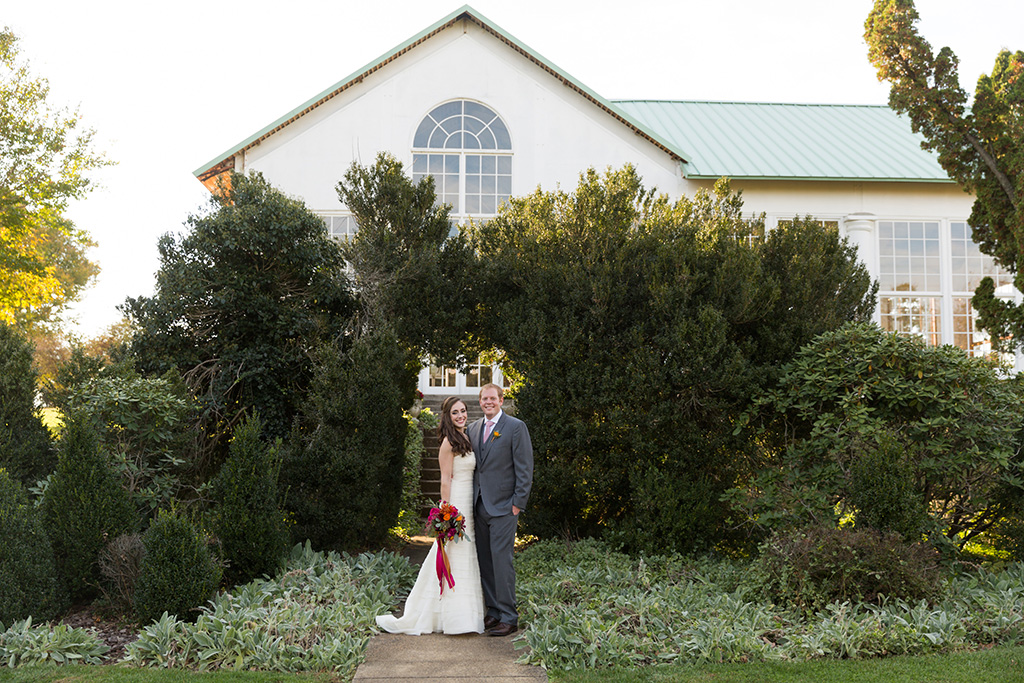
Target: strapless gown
(459, 609)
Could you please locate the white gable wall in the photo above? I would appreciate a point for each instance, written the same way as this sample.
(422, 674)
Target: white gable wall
(556, 132)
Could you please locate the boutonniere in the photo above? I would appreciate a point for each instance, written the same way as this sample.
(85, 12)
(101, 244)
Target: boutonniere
(495, 434)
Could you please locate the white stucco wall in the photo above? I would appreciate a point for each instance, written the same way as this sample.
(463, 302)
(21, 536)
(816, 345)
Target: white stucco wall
(556, 133)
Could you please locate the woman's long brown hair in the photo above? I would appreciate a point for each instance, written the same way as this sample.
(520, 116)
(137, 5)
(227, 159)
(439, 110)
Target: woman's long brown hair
(446, 429)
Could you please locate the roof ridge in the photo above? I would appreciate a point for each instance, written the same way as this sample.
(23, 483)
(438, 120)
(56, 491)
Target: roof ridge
(464, 12)
(750, 102)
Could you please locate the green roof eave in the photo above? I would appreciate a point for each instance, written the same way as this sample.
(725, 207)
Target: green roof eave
(873, 179)
(463, 12)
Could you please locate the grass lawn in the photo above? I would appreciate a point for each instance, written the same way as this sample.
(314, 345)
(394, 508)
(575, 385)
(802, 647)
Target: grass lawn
(997, 665)
(124, 674)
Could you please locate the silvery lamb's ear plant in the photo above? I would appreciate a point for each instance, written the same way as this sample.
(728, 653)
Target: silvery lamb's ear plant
(23, 644)
(316, 615)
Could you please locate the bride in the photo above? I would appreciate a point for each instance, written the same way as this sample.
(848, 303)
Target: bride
(459, 609)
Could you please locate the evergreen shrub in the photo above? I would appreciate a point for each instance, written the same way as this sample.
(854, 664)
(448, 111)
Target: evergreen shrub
(811, 567)
(84, 507)
(245, 518)
(883, 490)
(178, 573)
(343, 467)
(25, 448)
(28, 577)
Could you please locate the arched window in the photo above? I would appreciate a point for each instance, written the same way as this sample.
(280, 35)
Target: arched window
(467, 148)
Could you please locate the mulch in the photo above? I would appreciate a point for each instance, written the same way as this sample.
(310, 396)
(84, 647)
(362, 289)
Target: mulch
(115, 633)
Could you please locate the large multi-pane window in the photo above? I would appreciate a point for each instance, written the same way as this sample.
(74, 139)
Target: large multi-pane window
(969, 267)
(341, 227)
(909, 278)
(925, 290)
(467, 148)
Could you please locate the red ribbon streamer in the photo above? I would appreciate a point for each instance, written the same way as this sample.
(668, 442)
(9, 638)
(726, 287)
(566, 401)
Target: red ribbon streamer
(444, 568)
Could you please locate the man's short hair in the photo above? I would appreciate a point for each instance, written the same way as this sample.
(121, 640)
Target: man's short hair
(501, 392)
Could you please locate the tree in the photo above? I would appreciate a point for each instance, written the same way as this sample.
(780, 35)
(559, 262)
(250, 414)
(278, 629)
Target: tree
(982, 149)
(411, 272)
(45, 158)
(640, 329)
(25, 449)
(343, 466)
(242, 300)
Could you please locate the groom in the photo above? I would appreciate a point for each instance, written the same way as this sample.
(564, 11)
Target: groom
(501, 487)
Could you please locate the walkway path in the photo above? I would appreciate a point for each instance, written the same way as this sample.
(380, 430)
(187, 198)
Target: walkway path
(439, 658)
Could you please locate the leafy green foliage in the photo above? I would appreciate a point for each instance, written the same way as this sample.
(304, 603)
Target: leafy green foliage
(245, 517)
(25, 449)
(982, 149)
(24, 644)
(812, 567)
(343, 466)
(143, 426)
(45, 159)
(858, 390)
(242, 299)
(587, 607)
(649, 325)
(177, 573)
(28, 576)
(410, 272)
(883, 489)
(83, 507)
(316, 615)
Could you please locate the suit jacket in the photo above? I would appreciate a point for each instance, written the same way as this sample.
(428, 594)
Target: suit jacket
(504, 465)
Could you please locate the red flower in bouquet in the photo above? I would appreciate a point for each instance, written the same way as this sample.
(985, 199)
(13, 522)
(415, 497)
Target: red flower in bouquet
(445, 523)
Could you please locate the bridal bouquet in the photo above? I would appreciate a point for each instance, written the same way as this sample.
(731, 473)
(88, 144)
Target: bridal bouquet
(445, 523)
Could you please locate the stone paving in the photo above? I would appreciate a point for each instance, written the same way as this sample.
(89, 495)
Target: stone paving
(436, 657)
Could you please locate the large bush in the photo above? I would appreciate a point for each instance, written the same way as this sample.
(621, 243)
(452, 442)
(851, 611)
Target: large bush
(343, 467)
(143, 425)
(948, 423)
(245, 517)
(178, 573)
(242, 299)
(25, 449)
(28, 577)
(641, 328)
(812, 567)
(84, 506)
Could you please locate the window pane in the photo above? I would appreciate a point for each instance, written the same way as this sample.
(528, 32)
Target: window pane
(472, 163)
(503, 139)
(419, 163)
(423, 133)
(451, 163)
(472, 203)
(505, 164)
(445, 110)
(485, 114)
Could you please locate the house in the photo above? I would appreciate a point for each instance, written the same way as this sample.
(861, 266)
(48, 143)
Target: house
(490, 118)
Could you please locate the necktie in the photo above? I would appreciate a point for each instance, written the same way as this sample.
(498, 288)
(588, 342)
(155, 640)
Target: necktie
(487, 432)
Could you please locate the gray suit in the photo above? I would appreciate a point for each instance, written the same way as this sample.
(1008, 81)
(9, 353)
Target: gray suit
(503, 477)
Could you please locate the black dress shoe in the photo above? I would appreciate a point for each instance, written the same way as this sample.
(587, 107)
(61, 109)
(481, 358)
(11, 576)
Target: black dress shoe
(490, 622)
(503, 629)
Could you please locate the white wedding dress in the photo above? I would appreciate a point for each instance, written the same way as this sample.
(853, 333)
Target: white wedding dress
(459, 609)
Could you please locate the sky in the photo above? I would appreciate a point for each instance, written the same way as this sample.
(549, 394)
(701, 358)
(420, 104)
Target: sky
(169, 86)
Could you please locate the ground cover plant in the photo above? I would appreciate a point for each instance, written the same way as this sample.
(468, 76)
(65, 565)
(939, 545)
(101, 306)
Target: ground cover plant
(316, 615)
(589, 607)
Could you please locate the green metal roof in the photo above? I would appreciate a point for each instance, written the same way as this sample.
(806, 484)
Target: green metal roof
(464, 12)
(789, 141)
